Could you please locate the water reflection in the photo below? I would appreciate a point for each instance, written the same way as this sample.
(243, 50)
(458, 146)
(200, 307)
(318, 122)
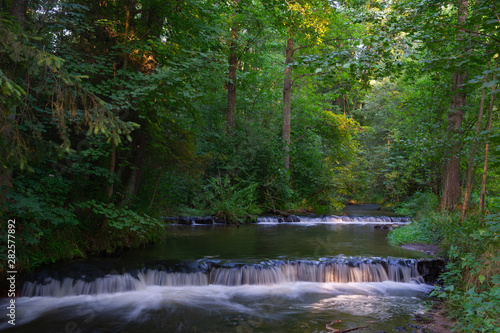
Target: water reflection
(290, 241)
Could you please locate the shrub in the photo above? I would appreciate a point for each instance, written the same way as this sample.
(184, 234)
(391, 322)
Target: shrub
(229, 200)
(472, 278)
(426, 228)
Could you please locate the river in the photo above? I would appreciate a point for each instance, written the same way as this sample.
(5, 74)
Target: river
(264, 277)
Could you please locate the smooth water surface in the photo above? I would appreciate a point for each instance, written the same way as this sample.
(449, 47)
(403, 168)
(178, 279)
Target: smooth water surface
(275, 241)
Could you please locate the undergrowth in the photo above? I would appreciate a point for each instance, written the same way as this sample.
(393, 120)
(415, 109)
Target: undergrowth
(472, 277)
(471, 281)
(95, 228)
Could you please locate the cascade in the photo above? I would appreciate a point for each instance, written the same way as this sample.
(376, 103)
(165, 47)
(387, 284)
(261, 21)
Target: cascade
(209, 272)
(332, 219)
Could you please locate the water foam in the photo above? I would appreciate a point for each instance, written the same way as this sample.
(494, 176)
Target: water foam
(213, 273)
(334, 219)
(137, 304)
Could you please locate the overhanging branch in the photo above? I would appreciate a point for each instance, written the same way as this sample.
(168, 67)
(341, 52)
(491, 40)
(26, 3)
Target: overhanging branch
(303, 135)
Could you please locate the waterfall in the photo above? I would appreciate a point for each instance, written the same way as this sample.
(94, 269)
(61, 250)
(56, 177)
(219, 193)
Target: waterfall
(332, 219)
(212, 273)
(112, 283)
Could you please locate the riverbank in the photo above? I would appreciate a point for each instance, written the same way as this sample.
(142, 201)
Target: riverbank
(431, 249)
(436, 320)
(469, 288)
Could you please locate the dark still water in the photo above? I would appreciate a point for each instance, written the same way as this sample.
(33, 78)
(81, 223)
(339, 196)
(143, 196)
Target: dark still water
(294, 277)
(272, 241)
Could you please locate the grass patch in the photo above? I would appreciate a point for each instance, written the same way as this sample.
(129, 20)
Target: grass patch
(425, 230)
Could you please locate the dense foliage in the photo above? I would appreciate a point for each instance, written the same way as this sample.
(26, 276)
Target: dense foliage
(117, 113)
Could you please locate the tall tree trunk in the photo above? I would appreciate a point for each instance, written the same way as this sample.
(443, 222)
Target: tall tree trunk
(18, 9)
(470, 164)
(487, 147)
(233, 65)
(287, 103)
(128, 5)
(451, 175)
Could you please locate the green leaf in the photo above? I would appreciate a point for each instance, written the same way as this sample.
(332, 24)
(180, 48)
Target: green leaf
(489, 84)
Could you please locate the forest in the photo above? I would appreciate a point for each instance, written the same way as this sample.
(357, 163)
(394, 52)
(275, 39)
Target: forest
(116, 114)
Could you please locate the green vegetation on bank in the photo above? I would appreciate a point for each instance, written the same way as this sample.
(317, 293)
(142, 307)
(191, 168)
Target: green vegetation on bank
(471, 281)
(427, 224)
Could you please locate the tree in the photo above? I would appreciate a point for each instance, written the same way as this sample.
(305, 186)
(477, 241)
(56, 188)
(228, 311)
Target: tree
(306, 22)
(455, 41)
(233, 63)
(451, 177)
(287, 102)
(486, 149)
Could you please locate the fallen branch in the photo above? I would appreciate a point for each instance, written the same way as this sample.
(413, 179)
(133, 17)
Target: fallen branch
(335, 330)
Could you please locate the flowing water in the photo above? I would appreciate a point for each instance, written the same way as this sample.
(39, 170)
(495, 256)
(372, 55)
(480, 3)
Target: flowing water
(266, 277)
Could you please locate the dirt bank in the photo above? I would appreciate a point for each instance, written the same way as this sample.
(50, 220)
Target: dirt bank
(425, 248)
(435, 321)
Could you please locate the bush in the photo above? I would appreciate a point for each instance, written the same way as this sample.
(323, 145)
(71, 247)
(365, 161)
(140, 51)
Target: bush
(472, 278)
(50, 227)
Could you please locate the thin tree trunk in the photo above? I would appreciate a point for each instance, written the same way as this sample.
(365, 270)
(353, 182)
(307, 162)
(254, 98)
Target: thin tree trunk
(470, 165)
(233, 65)
(112, 158)
(487, 147)
(231, 91)
(156, 187)
(135, 170)
(127, 28)
(287, 103)
(451, 174)
(112, 167)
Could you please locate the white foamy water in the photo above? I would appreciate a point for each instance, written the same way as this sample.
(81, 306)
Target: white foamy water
(138, 305)
(277, 272)
(334, 219)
